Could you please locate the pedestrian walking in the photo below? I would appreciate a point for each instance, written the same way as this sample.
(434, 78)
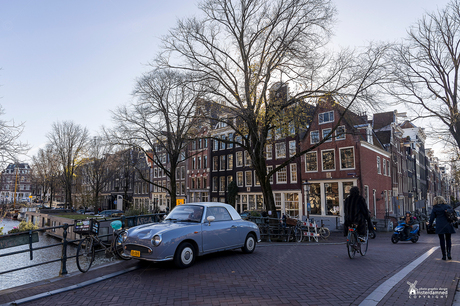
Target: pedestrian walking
(444, 229)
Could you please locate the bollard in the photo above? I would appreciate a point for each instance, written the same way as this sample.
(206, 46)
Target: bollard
(30, 245)
(64, 251)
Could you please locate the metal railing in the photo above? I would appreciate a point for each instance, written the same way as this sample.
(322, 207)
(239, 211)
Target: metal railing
(127, 222)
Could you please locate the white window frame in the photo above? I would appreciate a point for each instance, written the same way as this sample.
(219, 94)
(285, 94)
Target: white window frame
(322, 160)
(278, 150)
(239, 175)
(311, 152)
(340, 133)
(325, 132)
(239, 157)
(293, 173)
(248, 178)
(330, 116)
(354, 159)
(292, 148)
(230, 162)
(268, 152)
(316, 137)
(379, 166)
(278, 175)
(270, 168)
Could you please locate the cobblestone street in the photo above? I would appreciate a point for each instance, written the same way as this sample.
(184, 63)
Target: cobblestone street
(275, 274)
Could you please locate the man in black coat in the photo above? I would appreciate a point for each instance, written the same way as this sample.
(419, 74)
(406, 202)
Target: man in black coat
(356, 212)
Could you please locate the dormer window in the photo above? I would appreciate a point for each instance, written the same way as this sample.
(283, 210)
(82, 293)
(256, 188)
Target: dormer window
(326, 117)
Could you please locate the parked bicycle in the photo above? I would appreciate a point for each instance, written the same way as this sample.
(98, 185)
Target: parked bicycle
(87, 247)
(356, 244)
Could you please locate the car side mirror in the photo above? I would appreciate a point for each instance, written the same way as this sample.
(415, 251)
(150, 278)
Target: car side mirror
(210, 219)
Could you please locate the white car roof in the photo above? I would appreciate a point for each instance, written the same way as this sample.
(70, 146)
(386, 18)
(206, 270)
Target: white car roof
(235, 215)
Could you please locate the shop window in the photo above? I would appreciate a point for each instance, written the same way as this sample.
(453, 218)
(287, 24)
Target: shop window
(291, 201)
(332, 198)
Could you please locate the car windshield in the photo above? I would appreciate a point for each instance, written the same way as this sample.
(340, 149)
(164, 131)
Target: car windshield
(189, 213)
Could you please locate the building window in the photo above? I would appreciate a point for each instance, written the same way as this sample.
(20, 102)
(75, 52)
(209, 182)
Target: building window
(230, 138)
(198, 183)
(314, 137)
(293, 168)
(256, 180)
(215, 163)
(388, 168)
(347, 158)
(238, 140)
(239, 179)
(199, 163)
(248, 178)
(229, 161)
(193, 183)
(328, 158)
(269, 151)
(379, 168)
(340, 133)
(216, 145)
(229, 179)
(222, 162)
(311, 162)
(280, 150)
(291, 128)
(193, 163)
(205, 182)
(222, 183)
(222, 143)
(215, 183)
(281, 176)
(326, 117)
(205, 162)
(292, 148)
(384, 166)
(326, 132)
(270, 168)
(247, 158)
(239, 159)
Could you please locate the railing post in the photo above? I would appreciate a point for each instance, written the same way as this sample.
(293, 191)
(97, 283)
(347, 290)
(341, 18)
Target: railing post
(30, 245)
(64, 251)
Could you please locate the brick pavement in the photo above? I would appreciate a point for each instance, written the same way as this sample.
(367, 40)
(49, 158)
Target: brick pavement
(276, 274)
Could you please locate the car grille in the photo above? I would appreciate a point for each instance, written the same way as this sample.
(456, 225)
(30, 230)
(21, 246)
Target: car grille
(140, 248)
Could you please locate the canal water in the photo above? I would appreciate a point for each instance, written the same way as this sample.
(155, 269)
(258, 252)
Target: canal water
(21, 277)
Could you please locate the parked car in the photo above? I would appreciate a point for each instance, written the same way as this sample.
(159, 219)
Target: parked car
(110, 213)
(191, 230)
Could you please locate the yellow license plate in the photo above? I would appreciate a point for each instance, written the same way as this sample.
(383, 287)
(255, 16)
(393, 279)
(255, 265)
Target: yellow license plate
(135, 253)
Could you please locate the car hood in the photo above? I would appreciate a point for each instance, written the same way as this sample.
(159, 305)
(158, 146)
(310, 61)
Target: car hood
(147, 231)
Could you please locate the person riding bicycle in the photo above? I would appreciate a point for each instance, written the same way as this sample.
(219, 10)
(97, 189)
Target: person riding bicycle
(356, 212)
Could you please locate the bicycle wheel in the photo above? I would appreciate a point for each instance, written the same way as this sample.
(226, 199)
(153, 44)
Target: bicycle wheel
(85, 254)
(351, 244)
(118, 246)
(364, 244)
(324, 232)
(298, 234)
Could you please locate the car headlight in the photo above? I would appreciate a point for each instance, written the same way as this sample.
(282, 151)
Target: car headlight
(124, 236)
(156, 240)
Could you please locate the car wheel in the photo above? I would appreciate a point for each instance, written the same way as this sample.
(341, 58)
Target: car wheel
(249, 244)
(185, 255)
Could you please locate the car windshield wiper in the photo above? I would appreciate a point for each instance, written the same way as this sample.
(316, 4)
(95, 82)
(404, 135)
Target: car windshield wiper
(171, 219)
(189, 220)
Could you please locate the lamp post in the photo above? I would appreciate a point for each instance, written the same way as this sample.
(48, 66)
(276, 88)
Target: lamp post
(306, 189)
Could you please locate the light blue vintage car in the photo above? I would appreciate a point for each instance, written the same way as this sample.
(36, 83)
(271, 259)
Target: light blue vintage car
(191, 230)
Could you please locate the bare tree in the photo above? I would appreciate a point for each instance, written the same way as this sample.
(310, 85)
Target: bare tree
(98, 168)
(10, 146)
(69, 142)
(159, 121)
(240, 49)
(426, 71)
(46, 171)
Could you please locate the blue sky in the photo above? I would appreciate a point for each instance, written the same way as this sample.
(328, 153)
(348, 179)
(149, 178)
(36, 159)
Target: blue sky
(77, 60)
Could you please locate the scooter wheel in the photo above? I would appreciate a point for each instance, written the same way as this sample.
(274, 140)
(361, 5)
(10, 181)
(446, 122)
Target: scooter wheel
(414, 239)
(372, 235)
(394, 238)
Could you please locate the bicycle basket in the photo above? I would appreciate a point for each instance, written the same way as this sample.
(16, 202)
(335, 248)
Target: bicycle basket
(86, 227)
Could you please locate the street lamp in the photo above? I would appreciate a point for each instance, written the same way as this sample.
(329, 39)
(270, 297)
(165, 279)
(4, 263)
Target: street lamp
(306, 188)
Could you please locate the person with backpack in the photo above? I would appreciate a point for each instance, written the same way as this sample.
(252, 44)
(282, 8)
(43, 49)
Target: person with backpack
(444, 228)
(356, 212)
